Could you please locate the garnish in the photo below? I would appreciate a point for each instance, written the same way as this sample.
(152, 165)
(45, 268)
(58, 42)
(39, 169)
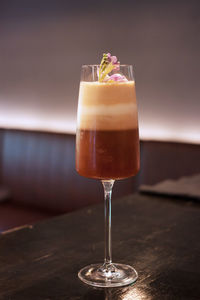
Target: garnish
(117, 77)
(108, 64)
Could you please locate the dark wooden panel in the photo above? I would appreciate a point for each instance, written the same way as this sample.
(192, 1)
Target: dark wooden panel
(39, 168)
(1, 153)
(162, 160)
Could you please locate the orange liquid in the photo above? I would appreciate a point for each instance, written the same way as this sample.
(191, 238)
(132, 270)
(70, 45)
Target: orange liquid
(108, 154)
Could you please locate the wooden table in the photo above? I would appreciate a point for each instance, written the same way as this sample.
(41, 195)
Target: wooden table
(158, 236)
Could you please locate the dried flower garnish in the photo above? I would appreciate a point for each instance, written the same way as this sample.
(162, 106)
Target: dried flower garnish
(108, 63)
(117, 77)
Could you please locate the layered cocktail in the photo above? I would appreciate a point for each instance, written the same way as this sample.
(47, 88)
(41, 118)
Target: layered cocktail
(107, 133)
(107, 148)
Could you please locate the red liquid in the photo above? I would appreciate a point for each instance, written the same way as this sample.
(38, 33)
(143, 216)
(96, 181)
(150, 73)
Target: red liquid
(107, 154)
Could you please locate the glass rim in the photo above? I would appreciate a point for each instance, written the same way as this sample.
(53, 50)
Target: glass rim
(95, 65)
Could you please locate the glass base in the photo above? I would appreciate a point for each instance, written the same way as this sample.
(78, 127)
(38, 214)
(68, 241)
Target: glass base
(111, 275)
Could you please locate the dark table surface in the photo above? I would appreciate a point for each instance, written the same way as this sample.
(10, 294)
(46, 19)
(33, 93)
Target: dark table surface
(158, 236)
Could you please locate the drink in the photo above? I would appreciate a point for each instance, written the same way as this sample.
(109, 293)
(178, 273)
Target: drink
(107, 132)
(107, 148)
(116, 153)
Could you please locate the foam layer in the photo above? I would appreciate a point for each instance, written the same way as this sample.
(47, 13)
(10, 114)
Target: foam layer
(107, 106)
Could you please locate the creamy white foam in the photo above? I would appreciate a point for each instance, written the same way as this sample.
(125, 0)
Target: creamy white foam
(107, 106)
(112, 110)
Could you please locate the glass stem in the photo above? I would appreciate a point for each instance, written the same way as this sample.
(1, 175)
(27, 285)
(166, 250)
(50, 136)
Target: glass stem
(107, 185)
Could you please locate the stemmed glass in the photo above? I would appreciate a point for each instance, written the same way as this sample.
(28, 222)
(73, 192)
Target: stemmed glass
(107, 148)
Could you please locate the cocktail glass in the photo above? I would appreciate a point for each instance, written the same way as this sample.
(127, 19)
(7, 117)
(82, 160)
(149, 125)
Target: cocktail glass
(107, 148)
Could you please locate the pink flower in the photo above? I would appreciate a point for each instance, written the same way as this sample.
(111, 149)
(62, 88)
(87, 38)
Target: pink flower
(117, 77)
(113, 60)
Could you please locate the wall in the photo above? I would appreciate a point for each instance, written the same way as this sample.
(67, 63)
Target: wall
(38, 168)
(44, 43)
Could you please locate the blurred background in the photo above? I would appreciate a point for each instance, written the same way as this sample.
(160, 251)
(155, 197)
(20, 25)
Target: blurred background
(44, 43)
(42, 47)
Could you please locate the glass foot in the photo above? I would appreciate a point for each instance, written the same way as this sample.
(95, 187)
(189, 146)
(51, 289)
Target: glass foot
(111, 275)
